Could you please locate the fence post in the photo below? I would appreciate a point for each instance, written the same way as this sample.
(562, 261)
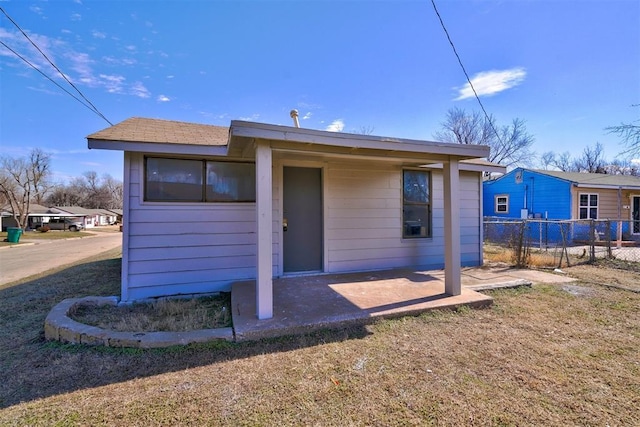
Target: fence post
(564, 246)
(609, 254)
(619, 236)
(592, 240)
(540, 233)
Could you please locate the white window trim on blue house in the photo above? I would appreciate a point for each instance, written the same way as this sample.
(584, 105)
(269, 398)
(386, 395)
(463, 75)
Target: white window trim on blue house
(498, 203)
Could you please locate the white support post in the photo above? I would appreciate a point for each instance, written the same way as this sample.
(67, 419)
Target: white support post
(264, 213)
(452, 279)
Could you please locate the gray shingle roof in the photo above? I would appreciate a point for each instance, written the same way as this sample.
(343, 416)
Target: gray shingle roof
(595, 178)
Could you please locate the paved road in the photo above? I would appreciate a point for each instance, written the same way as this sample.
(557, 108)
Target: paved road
(17, 262)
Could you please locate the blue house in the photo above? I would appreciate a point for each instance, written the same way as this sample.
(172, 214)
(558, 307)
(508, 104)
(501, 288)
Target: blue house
(556, 195)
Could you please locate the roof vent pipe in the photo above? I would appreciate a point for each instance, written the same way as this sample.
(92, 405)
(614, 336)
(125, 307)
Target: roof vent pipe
(294, 116)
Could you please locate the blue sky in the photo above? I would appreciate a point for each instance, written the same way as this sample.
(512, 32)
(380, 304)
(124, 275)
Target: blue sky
(568, 68)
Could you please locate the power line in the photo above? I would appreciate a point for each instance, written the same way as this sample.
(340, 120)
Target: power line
(46, 76)
(465, 71)
(93, 107)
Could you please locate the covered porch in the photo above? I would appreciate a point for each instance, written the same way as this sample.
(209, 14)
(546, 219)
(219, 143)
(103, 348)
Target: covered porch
(270, 142)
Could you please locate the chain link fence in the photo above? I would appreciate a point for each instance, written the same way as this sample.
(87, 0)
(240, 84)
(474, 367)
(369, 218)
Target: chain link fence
(558, 243)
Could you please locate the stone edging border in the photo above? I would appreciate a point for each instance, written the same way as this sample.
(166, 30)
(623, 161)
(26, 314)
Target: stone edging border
(60, 327)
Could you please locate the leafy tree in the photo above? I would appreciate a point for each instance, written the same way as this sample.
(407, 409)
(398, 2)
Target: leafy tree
(23, 180)
(510, 144)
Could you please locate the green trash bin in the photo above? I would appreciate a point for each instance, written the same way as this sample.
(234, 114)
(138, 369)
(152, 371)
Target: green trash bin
(13, 234)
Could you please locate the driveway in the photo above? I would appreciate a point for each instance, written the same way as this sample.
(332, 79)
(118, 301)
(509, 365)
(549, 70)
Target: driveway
(18, 262)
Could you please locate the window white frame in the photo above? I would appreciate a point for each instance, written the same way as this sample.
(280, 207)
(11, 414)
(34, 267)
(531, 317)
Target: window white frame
(501, 204)
(588, 205)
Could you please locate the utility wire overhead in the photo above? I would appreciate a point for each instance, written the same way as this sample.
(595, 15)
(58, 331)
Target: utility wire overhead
(46, 76)
(465, 71)
(92, 108)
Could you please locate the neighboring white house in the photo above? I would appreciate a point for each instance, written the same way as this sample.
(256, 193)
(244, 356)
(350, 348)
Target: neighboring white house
(38, 215)
(205, 206)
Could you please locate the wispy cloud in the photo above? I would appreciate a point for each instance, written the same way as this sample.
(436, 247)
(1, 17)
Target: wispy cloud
(251, 118)
(43, 90)
(308, 105)
(489, 83)
(79, 67)
(98, 34)
(336, 126)
(307, 116)
(139, 90)
(163, 98)
(113, 84)
(118, 61)
(75, 17)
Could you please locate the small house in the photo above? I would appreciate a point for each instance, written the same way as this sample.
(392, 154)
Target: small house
(205, 206)
(557, 195)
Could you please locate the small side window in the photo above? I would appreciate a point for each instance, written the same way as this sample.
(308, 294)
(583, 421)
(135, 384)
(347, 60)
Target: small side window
(416, 204)
(502, 204)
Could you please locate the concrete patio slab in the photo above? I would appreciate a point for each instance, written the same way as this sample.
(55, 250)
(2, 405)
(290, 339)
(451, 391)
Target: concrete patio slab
(306, 303)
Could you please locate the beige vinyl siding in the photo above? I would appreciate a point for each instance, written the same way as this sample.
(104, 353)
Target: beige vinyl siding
(183, 248)
(607, 202)
(364, 223)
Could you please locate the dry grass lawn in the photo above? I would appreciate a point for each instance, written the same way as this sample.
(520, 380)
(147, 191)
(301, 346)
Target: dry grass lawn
(169, 315)
(550, 355)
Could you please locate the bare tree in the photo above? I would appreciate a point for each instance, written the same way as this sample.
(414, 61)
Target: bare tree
(629, 133)
(510, 145)
(563, 162)
(114, 189)
(547, 159)
(622, 167)
(591, 161)
(65, 195)
(89, 191)
(23, 180)
(365, 130)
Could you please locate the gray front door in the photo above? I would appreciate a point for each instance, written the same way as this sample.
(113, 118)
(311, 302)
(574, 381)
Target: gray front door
(302, 219)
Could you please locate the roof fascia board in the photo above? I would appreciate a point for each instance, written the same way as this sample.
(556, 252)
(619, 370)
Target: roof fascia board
(159, 148)
(337, 139)
(470, 167)
(607, 186)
